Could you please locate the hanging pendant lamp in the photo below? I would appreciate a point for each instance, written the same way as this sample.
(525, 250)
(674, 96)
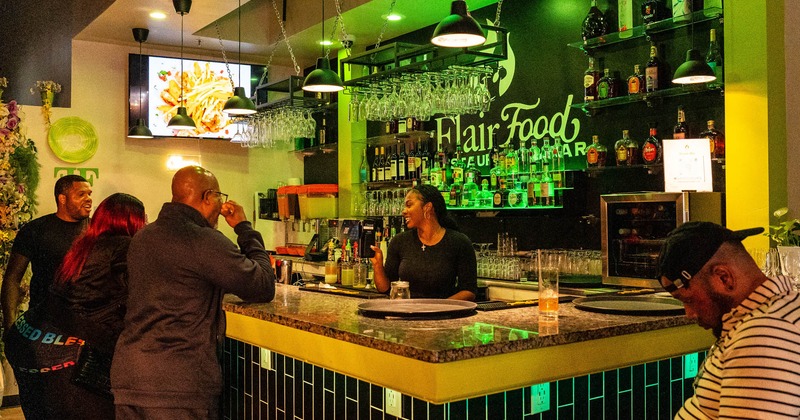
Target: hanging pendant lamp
(323, 79)
(695, 69)
(459, 29)
(182, 120)
(140, 130)
(239, 103)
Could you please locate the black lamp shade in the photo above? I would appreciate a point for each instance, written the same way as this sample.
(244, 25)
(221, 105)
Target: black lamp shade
(239, 103)
(140, 130)
(323, 79)
(694, 70)
(181, 120)
(459, 30)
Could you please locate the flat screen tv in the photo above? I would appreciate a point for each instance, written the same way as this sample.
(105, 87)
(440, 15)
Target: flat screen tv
(207, 86)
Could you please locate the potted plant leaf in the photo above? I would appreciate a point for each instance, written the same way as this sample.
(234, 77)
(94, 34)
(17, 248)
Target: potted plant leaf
(786, 235)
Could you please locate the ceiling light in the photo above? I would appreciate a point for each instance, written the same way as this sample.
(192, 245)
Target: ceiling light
(459, 29)
(694, 70)
(182, 120)
(158, 15)
(323, 79)
(140, 129)
(325, 42)
(239, 103)
(394, 17)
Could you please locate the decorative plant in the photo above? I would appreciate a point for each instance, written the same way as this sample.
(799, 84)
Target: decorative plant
(47, 89)
(786, 232)
(3, 82)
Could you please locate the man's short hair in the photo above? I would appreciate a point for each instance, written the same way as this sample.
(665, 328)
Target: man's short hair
(690, 246)
(64, 184)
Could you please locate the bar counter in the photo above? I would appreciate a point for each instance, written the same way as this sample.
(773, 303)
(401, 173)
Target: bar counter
(441, 361)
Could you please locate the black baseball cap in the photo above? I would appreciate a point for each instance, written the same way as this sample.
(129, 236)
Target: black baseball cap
(689, 247)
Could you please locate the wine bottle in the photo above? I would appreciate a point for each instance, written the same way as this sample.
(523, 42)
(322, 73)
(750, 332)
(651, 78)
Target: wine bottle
(411, 163)
(362, 168)
(376, 164)
(714, 56)
(402, 164)
(681, 130)
(393, 162)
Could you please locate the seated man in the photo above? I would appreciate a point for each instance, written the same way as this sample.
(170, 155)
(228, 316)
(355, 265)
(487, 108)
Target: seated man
(753, 370)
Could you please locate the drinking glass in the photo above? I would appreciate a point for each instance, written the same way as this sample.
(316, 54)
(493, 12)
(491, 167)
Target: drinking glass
(400, 290)
(548, 288)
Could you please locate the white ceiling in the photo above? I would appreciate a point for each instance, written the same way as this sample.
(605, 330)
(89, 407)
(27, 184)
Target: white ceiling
(260, 31)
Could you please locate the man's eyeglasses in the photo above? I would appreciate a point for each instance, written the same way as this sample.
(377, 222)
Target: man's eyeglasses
(222, 195)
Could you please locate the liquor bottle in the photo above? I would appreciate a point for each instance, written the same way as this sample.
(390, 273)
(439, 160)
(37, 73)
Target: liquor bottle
(625, 18)
(714, 56)
(471, 193)
(362, 168)
(557, 163)
(516, 197)
(457, 166)
(547, 189)
(716, 140)
(401, 125)
(522, 159)
(636, 82)
(512, 162)
(594, 24)
(436, 174)
(496, 173)
(455, 196)
(534, 157)
(653, 11)
(633, 151)
(391, 127)
(596, 154)
(534, 190)
(381, 166)
(681, 130)
(501, 195)
(651, 149)
(485, 199)
(681, 10)
(604, 85)
(621, 149)
(394, 160)
(402, 164)
(376, 164)
(474, 172)
(546, 157)
(447, 170)
(653, 71)
(590, 79)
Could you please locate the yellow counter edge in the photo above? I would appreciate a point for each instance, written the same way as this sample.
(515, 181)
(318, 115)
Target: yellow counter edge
(452, 381)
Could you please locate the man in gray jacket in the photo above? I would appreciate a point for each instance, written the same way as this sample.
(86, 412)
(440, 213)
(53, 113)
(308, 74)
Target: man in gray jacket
(165, 365)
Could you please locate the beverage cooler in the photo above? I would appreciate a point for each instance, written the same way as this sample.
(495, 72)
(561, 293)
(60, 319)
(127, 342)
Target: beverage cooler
(635, 225)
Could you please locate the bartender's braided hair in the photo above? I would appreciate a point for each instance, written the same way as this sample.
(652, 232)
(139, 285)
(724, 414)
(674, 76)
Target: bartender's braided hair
(431, 194)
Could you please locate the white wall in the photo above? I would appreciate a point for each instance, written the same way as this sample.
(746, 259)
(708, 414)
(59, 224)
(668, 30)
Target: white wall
(137, 166)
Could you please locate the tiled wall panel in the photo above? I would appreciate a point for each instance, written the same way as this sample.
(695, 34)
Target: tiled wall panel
(294, 390)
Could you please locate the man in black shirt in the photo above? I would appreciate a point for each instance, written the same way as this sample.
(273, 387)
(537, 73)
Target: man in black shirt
(43, 242)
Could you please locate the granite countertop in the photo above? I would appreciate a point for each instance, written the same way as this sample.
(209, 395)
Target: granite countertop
(436, 341)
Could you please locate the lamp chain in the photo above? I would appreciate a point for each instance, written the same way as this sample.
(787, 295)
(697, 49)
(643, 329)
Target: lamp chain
(385, 24)
(341, 21)
(183, 102)
(285, 38)
(224, 57)
(497, 14)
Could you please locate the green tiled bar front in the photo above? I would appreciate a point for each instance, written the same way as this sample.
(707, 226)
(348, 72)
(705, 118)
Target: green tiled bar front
(292, 389)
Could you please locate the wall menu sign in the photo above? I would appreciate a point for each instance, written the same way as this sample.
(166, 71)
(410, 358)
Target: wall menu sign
(687, 165)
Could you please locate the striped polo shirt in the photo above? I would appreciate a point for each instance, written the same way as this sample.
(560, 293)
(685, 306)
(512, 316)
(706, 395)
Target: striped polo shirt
(753, 370)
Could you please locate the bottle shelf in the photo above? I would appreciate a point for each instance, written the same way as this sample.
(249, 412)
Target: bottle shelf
(321, 148)
(646, 31)
(594, 171)
(591, 108)
(288, 93)
(395, 138)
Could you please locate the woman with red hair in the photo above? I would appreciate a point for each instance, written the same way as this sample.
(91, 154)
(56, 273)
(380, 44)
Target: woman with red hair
(61, 349)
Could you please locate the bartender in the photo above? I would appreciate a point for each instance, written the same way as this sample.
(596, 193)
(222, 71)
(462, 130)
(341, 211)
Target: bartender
(435, 258)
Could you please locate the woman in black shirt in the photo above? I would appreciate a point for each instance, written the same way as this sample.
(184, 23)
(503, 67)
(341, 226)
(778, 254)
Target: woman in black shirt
(436, 259)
